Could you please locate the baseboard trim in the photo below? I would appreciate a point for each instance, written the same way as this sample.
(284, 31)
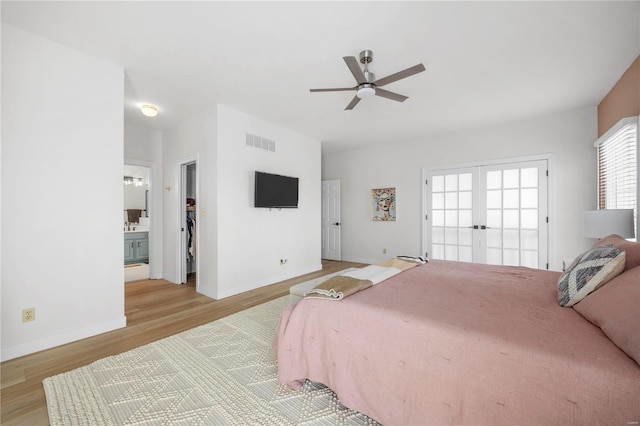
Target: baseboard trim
(49, 342)
(369, 261)
(253, 286)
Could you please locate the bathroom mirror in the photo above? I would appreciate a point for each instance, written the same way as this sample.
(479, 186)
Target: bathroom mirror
(136, 189)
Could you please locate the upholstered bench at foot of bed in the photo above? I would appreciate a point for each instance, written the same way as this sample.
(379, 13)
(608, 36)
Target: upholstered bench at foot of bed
(296, 292)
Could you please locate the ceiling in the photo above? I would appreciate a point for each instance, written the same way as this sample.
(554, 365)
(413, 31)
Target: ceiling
(486, 62)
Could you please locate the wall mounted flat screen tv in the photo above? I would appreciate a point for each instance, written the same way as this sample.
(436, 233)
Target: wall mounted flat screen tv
(275, 191)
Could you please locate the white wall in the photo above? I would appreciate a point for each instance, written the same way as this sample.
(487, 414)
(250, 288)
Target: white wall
(253, 240)
(143, 147)
(195, 138)
(239, 247)
(568, 136)
(62, 194)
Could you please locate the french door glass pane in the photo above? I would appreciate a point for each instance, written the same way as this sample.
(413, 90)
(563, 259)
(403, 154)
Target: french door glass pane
(511, 199)
(511, 178)
(466, 254)
(438, 201)
(529, 240)
(529, 218)
(494, 218)
(494, 180)
(466, 200)
(451, 183)
(529, 198)
(438, 184)
(437, 235)
(511, 239)
(511, 257)
(529, 258)
(529, 177)
(466, 218)
(494, 199)
(511, 218)
(465, 182)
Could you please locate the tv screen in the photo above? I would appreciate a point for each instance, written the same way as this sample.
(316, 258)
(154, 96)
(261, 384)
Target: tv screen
(275, 191)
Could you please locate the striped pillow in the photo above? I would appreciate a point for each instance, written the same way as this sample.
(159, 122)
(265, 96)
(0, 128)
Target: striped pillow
(589, 271)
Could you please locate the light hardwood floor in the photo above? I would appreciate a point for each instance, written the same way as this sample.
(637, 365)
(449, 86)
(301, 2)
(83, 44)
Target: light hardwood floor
(154, 309)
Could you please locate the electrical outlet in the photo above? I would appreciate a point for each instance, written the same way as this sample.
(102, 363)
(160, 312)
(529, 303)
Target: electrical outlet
(384, 251)
(28, 314)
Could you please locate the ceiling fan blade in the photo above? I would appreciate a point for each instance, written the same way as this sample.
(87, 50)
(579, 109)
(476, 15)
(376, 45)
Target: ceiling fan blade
(337, 89)
(352, 63)
(399, 75)
(353, 103)
(390, 95)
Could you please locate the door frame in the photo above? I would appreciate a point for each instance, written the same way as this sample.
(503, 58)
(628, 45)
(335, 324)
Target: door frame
(181, 251)
(551, 196)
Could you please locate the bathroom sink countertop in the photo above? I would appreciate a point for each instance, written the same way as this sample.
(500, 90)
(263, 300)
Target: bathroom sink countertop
(138, 229)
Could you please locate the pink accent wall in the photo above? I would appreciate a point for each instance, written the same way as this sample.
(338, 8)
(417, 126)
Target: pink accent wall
(623, 100)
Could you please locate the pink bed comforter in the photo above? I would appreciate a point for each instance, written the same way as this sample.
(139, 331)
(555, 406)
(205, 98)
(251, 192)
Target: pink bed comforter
(460, 343)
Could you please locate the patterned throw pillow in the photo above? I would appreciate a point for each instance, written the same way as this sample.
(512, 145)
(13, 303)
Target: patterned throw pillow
(589, 271)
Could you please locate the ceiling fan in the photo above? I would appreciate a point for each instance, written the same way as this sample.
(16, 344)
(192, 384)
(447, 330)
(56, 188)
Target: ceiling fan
(367, 83)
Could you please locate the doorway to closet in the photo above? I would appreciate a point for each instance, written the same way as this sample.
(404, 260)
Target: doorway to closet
(188, 244)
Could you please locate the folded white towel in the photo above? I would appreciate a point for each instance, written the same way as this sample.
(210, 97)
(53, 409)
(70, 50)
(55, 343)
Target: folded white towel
(373, 273)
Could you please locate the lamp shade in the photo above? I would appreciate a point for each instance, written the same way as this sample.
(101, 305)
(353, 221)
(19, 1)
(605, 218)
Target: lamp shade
(600, 223)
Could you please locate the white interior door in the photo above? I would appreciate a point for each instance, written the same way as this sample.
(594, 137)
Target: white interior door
(331, 225)
(495, 214)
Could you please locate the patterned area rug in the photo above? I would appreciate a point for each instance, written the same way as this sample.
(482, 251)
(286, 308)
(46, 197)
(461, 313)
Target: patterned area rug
(221, 373)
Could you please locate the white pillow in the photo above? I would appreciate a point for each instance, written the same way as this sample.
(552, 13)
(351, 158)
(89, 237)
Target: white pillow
(589, 271)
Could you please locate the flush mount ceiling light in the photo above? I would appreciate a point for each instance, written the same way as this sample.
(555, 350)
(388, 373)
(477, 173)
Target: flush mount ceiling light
(149, 110)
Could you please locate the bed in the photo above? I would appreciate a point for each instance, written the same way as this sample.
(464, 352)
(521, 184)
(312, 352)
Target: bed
(462, 343)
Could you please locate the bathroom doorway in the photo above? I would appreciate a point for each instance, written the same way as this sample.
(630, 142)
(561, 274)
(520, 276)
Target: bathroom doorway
(136, 222)
(188, 242)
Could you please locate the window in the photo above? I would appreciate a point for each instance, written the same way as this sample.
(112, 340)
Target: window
(618, 166)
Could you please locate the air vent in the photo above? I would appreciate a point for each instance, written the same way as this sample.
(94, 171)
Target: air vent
(260, 142)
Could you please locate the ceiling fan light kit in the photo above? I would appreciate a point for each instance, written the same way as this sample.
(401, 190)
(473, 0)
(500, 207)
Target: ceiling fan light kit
(366, 91)
(367, 85)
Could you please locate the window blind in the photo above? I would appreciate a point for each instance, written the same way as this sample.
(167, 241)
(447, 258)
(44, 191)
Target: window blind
(617, 168)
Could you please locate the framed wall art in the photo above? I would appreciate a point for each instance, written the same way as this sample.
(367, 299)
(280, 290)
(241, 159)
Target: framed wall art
(383, 204)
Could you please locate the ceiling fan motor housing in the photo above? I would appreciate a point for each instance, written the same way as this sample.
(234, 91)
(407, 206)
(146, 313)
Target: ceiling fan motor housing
(366, 56)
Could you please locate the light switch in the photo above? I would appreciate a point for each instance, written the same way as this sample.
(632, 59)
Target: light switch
(203, 212)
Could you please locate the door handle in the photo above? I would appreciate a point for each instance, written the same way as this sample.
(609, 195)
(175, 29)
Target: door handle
(474, 227)
(337, 223)
(484, 227)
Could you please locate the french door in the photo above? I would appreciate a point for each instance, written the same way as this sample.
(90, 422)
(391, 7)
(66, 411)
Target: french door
(494, 214)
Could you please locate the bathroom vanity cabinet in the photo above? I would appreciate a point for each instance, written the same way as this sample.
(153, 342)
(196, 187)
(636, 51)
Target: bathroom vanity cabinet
(136, 247)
